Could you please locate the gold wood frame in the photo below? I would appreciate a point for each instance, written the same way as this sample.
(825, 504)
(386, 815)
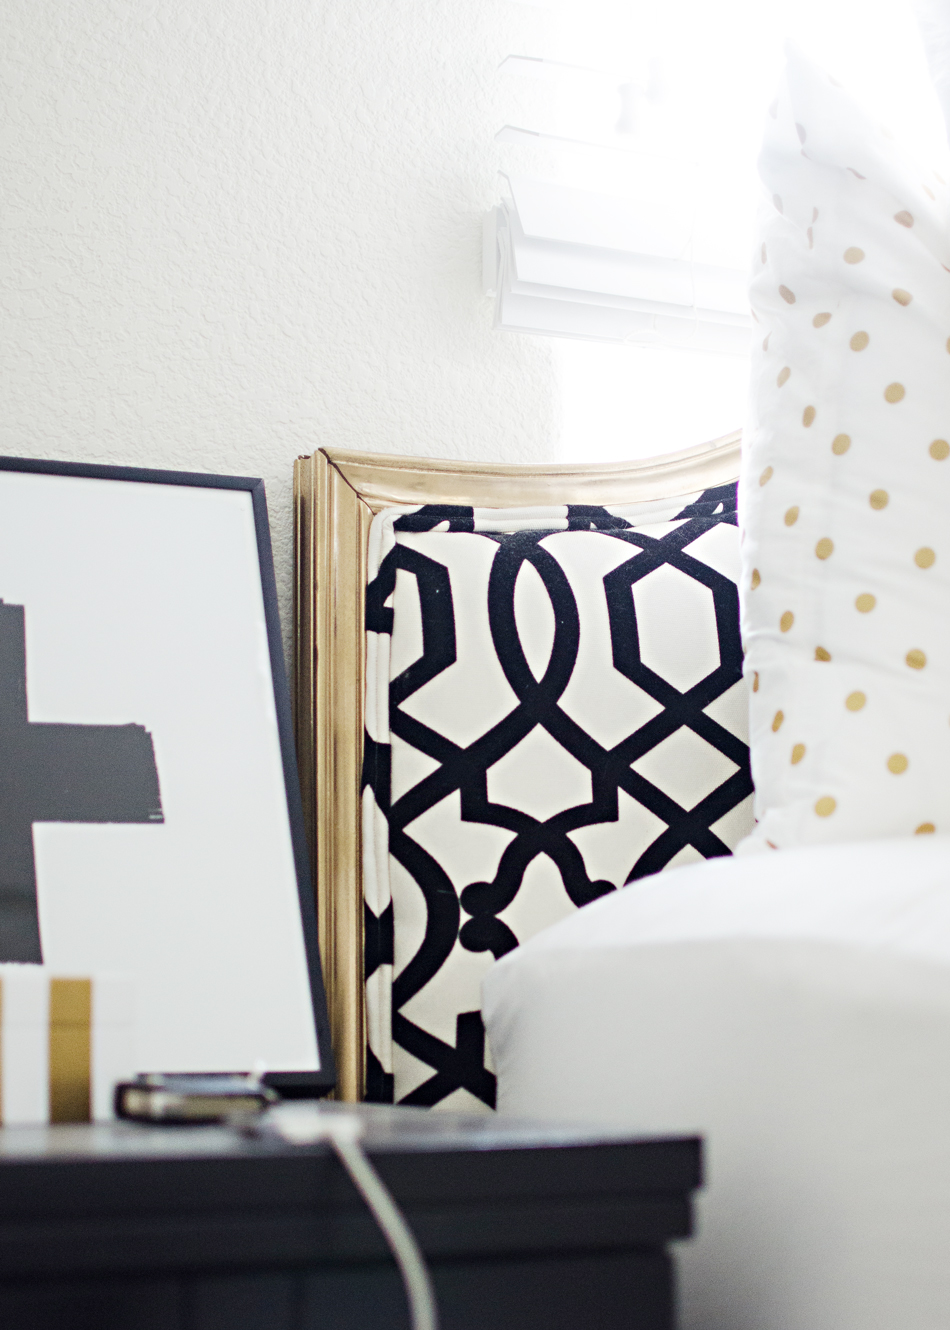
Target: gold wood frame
(336, 495)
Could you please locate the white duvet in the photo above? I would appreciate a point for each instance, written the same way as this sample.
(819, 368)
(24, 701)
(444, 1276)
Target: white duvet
(794, 1009)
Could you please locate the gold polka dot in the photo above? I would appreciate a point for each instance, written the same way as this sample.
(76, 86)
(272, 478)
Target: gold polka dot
(894, 392)
(798, 752)
(787, 296)
(820, 320)
(766, 476)
(948, 343)
(778, 202)
(859, 341)
(897, 764)
(916, 659)
(925, 557)
(825, 806)
(825, 548)
(791, 517)
(841, 444)
(940, 450)
(853, 254)
(855, 701)
(777, 721)
(865, 602)
(783, 376)
(929, 192)
(901, 296)
(925, 829)
(904, 217)
(764, 255)
(808, 416)
(756, 578)
(755, 681)
(765, 341)
(786, 621)
(822, 654)
(879, 499)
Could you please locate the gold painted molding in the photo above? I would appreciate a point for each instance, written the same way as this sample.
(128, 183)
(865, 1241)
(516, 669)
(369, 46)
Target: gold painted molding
(336, 495)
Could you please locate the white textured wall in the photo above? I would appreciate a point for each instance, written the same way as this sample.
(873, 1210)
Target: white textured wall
(235, 230)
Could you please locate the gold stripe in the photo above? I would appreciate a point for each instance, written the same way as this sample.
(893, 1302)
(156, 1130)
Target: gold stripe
(70, 1049)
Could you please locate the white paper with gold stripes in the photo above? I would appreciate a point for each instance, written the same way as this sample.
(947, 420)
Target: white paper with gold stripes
(64, 1043)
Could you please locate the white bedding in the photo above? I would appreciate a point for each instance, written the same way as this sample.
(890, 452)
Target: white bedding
(794, 1008)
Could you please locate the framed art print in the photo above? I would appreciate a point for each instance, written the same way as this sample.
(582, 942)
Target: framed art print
(150, 817)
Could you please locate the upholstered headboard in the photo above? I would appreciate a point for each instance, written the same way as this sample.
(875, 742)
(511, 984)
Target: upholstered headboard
(337, 495)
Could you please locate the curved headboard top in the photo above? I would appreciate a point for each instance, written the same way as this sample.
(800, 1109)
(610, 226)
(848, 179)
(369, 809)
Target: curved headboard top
(385, 480)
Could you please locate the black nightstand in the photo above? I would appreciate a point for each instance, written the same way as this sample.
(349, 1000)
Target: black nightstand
(527, 1227)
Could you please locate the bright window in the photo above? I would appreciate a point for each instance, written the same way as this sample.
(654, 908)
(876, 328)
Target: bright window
(630, 88)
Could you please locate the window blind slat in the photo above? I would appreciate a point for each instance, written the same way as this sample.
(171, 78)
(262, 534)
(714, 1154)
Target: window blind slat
(569, 286)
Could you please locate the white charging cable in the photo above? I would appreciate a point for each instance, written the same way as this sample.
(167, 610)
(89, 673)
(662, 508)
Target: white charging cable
(305, 1124)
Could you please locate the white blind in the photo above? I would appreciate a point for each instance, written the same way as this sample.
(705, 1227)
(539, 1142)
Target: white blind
(574, 263)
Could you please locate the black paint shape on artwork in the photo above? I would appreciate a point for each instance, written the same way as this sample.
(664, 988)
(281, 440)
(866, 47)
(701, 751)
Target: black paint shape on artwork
(56, 773)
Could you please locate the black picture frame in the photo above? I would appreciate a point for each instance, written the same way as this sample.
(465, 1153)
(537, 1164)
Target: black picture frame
(291, 1084)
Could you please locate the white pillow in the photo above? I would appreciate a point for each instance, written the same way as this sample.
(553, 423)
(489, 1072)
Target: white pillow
(795, 1011)
(845, 496)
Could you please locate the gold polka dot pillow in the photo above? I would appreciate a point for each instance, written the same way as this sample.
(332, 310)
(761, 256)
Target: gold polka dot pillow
(845, 494)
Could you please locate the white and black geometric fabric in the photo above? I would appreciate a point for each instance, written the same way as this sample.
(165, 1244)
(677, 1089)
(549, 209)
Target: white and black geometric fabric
(555, 708)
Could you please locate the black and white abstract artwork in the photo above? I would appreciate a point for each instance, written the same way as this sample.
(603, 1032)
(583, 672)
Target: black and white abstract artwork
(555, 708)
(145, 822)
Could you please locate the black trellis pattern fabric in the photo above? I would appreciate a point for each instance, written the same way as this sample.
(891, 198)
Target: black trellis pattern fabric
(465, 918)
